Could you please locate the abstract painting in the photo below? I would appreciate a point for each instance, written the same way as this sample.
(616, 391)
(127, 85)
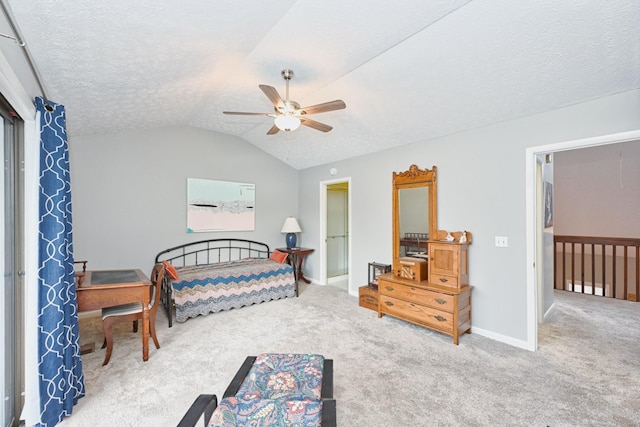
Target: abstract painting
(220, 206)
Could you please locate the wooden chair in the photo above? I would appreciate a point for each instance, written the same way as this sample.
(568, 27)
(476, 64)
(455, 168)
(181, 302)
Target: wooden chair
(133, 312)
(80, 274)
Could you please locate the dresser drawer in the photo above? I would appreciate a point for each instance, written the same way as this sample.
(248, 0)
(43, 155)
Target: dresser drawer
(442, 302)
(416, 313)
(443, 280)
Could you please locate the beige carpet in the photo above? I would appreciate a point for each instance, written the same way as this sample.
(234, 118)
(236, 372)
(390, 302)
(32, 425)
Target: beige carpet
(387, 372)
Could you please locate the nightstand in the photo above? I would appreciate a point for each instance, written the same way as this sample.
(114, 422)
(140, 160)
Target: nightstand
(296, 258)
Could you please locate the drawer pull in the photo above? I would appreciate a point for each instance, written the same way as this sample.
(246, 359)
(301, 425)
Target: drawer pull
(389, 288)
(440, 301)
(444, 279)
(388, 303)
(440, 318)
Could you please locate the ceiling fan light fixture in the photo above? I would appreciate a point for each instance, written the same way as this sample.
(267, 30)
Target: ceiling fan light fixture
(287, 123)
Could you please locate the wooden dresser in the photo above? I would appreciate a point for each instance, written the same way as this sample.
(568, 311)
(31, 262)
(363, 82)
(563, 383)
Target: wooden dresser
(441, 308)
(427, 287)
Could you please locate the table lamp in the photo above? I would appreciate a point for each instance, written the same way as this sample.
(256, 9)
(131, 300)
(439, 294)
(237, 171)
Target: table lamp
(291, 227)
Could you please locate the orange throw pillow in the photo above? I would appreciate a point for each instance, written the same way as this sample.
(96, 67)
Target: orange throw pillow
(278, 256)
(170, 269)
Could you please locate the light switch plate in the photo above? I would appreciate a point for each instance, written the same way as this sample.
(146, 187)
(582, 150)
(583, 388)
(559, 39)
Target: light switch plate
(502, 241)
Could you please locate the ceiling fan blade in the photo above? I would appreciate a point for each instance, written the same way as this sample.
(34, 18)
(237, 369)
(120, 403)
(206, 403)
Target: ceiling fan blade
(274, 129)
(316, 125)
(273, 95)
(240, 113)
(338, 104)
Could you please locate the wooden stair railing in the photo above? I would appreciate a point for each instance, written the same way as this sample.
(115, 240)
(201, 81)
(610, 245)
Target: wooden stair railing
(592, 254)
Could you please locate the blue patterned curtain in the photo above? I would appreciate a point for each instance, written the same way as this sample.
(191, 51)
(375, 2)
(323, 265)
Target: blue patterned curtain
(59, 363)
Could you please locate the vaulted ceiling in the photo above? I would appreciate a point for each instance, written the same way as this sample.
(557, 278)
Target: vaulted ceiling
(408, 71)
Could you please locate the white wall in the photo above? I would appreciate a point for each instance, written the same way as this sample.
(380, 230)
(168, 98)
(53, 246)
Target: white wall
(597, 191)
(129, 191)
(481, 188)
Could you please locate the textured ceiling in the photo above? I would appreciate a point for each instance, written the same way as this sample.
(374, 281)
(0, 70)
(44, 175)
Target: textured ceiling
(408, 71)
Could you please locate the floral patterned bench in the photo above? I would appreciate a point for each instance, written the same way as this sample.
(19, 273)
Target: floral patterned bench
(272, 389)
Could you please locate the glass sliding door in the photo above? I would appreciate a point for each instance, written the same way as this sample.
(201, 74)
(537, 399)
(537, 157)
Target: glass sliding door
(12, 264)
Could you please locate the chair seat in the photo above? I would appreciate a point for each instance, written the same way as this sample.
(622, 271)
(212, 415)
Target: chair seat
(121, 310)
(275, 375)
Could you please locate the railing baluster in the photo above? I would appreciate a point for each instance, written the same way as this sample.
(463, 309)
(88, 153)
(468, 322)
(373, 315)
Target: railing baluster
(564, 269)
(582, 266)
(626, 274)
(613, 271)
(637, 273)
(593, 269)
(555, 264)
(573, 265)
(604, 275)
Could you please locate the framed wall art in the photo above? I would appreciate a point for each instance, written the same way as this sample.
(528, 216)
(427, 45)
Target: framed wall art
(220, 206)
(547, 191)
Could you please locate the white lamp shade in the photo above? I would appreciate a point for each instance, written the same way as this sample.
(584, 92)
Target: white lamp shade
(291, 226)
(287, 123)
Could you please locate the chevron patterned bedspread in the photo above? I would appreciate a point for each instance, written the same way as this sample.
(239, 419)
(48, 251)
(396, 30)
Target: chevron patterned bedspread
(210, 288)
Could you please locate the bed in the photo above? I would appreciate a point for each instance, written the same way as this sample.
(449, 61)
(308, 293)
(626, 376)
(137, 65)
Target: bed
(221, 274)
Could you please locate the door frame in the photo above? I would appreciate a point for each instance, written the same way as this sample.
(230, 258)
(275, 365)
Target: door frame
(533, 259)
(323, 229)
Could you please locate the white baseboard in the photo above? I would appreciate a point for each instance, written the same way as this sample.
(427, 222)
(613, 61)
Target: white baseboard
(341, 282)
(501, 338)
(548, 312)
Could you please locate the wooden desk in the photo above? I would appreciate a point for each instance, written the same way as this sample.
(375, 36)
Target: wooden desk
(296, 257)
(108, 288)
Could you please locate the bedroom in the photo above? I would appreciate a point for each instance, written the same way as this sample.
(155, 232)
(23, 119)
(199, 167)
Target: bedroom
(142, 173)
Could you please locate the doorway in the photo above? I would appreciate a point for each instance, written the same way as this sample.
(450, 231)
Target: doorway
(338, 234)
(335, 256)
(537, 266)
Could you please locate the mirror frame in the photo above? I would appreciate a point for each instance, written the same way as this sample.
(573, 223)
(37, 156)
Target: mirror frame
(411, 178)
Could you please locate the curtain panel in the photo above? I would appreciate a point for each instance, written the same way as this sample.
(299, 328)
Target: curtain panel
(61, 381)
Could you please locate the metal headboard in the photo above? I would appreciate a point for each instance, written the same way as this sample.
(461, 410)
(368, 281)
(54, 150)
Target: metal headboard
(213, 251)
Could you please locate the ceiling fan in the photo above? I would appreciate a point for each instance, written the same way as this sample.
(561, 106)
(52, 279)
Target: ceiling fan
(288, 115)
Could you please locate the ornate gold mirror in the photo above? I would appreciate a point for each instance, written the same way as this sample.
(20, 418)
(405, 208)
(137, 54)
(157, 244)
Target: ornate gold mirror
(414, 211)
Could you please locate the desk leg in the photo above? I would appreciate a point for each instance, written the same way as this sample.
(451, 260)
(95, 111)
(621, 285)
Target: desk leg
(300, 276)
